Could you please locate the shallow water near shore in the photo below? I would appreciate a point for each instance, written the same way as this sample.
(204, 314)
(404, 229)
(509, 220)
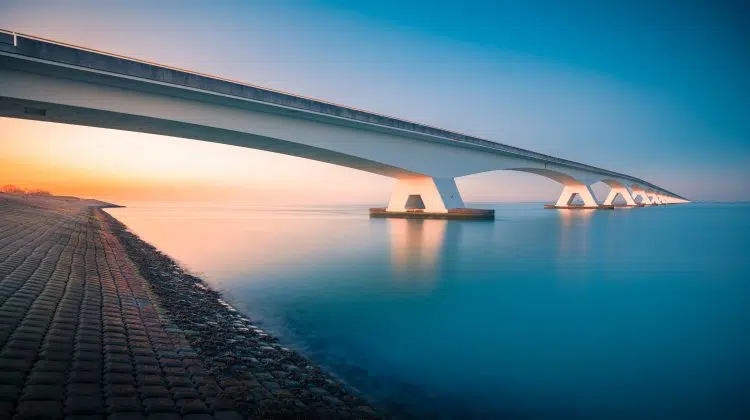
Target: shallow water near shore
(631, 313)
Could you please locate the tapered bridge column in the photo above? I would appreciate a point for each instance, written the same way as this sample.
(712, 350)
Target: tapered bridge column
(433, 195)
(426, 197)
(654, 197)
(622, 191)
(640, 192)
(569, 193)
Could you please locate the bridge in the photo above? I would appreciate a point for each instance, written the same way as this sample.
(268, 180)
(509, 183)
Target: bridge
(45, 80)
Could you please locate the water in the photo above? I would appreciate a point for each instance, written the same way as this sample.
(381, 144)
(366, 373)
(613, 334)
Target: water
(639, 313)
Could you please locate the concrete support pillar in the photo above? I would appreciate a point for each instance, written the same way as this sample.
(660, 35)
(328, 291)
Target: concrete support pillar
(433, 195)
(639, 192)
(654, 198)
(569, 192)
(623, 191)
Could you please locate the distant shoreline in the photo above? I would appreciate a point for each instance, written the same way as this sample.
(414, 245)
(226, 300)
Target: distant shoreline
(50, 200)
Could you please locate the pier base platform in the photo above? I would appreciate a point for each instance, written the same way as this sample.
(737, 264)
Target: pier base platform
(452, 214)
(599, 207)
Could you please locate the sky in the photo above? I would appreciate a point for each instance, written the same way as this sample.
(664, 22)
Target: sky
(647, 88)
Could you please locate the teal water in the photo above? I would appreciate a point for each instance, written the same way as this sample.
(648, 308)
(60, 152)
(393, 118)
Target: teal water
(639, 313)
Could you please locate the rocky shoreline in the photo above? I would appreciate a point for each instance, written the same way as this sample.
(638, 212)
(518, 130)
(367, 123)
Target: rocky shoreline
(261, 377)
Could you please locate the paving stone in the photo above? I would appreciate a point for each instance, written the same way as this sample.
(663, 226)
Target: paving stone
(147, 380)
(143, 352)
(171, 362)
(55, 355)
(178, 381)
(58, 346)
(86, 366)
(154, 391)
(117, 358)
(220, 404)
(82, 389)
(33, 336)
(83, 404)
(15, 365)
(13, 378)
(51, 366)
(115, 349)
(203, 416)
(39, 410)
(127, 416)
(123, 404)
(119, 378)
(43, 393)
(118, 367)
(86, 417)
(148, 370)
(87, 355)
(22, 345)
(85, 376)
(9, 392)
(159, 405)
(164, 416)
(93, 340)
(16, 353)
(120, 390)
(6, 410)
(94, 347)
(192, 406)
(227, 415)
(145, 361)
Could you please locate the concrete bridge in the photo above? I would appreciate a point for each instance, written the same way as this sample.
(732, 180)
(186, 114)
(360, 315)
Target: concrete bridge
(49, 81)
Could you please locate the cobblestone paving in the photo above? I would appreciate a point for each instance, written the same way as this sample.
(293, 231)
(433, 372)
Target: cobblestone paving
(81, 335)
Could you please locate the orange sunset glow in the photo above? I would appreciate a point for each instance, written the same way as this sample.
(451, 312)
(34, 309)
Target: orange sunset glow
(122, 166)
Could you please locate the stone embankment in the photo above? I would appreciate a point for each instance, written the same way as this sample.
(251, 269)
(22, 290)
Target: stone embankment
(95, 323)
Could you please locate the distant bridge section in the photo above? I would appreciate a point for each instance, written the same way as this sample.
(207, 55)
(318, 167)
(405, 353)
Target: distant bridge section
(51, 81)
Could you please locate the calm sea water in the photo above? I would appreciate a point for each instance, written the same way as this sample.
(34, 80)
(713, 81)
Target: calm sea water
(640, 313)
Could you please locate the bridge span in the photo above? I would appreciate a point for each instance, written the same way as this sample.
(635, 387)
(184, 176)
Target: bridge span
(46, 80)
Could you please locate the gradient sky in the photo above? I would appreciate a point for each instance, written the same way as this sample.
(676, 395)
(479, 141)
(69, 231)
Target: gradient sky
(649, 88)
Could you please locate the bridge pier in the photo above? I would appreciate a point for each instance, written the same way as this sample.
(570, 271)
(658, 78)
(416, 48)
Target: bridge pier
(426, 197)
(622, 191)
(569, 193)
(639, 192)
(654, 197)
(434, 195)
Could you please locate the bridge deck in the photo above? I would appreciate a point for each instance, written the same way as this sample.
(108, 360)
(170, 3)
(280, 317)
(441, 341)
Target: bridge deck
(48, 50)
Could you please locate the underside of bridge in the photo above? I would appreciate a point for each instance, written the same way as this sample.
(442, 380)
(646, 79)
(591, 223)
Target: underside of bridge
(46, 81)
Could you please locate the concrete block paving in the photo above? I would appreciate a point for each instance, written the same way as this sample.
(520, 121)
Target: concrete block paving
(80, 335)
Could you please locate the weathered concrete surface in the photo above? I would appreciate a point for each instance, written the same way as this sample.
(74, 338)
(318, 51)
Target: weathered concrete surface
(82, 333)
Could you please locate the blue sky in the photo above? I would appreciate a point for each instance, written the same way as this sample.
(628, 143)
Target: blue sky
(659, 90)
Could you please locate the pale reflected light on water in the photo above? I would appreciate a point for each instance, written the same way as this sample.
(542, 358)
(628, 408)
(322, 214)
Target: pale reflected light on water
(638, 313)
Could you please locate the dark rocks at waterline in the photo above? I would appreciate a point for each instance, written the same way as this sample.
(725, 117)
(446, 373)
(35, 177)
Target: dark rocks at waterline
(262, 378)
